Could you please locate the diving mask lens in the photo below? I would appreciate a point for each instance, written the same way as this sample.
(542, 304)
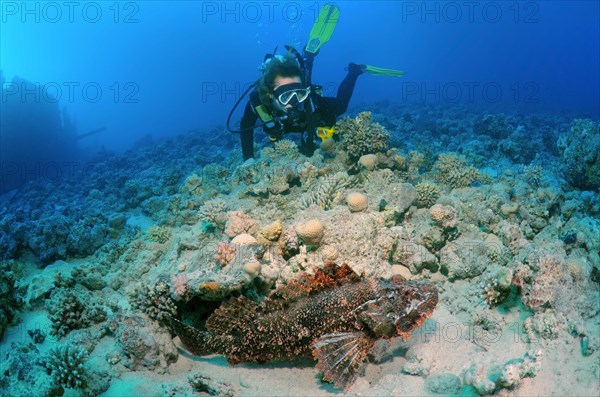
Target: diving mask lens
(290, 91)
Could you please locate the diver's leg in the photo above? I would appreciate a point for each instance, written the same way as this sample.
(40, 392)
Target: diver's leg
(247, 141)
(346, 88)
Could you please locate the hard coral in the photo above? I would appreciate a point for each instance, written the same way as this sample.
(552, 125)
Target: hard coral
(287, 148)
(369, 161)
(155, 301)
(427, 194)
(452, 170)
(272, 232)
(159, 234)
(239, 222)
(225, 253)
(580, 151)
(357, 201)
(68, 312)
(327, 191)
(9, 298)
(444, 215)
(214, 212)
(311, 232)
(361, 135)
(66, 365)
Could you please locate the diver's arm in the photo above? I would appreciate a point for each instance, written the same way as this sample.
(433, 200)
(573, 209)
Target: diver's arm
(247, 135)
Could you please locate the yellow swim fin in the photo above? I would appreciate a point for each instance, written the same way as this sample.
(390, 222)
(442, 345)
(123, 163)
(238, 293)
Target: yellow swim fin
(381, 71)
(323, 28)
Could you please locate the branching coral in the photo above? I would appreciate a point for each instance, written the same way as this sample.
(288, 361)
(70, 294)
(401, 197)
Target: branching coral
(214, 212)
(495, 287)
(66, 365)
(159, 234)
(287, 148)
(427, 194)
(327, 191)
(68, 312)
(452, 170)
(361, 135)
(225, 253)
(155, 301)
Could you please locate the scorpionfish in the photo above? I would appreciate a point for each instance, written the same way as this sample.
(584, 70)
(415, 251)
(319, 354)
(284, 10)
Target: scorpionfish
(334, 315)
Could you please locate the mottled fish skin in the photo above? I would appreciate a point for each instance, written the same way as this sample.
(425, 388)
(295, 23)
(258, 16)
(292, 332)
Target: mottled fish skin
(332, 315)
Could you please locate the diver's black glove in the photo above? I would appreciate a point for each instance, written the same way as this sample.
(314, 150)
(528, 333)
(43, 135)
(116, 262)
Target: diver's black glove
(307, 147)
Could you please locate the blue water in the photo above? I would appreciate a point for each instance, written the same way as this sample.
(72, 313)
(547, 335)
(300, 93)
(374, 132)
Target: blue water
(162, 68)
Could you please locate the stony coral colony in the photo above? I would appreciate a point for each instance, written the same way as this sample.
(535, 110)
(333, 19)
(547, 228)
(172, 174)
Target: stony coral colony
(499, 211)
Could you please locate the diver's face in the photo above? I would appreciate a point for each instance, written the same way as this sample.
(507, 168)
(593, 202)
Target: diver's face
(278, 82)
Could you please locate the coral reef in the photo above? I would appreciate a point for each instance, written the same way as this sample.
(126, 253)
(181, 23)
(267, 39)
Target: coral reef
(66, 365)
(203, 384)
(357, 201)
(580, 151)
(69, 310)
(155, 301)
(488, 207)
(143, 345)
(327, 191)
(159, 234)
(214, 212)
(226, 253)
(310, 232)
(427, 194)
(10, 300)
(452, 170)
(361, 135)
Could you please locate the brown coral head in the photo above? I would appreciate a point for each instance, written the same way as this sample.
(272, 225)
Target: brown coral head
(401, 307)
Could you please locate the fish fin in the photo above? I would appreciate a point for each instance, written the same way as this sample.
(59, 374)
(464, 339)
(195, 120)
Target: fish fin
(330, 276)
(340, 356)
(233, 317)
(199, 343)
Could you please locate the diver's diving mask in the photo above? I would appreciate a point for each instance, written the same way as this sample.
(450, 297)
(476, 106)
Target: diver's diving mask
(292, 94)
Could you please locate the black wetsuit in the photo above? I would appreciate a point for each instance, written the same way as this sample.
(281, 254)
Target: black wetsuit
(326, 111)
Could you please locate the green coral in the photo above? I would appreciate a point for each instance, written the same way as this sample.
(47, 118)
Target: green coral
(66, 365)
(159, 234)
(452, 170)
(427, 194)
(361, 135)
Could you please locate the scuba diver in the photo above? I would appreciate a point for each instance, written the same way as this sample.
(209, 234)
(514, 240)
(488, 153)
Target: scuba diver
(286, 101)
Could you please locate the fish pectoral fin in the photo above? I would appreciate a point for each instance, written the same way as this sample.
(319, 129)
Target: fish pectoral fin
(340, 356)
